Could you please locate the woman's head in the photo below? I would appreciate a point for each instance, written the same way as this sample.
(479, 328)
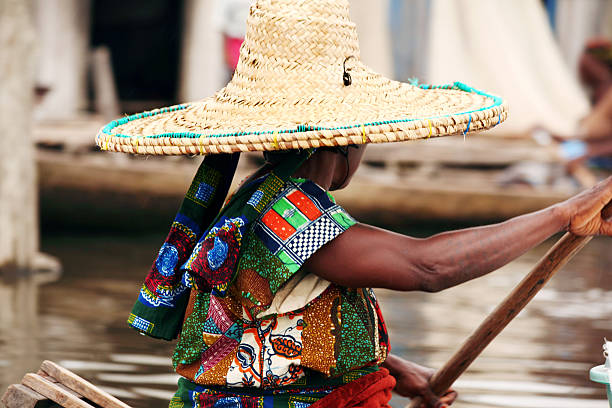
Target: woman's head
(330, 167)
(352, 155)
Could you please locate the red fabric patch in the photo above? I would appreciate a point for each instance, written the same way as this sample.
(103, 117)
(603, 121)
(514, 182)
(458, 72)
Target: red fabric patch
(305, 205)
(278, 225)
(223, 274)
(370, 391)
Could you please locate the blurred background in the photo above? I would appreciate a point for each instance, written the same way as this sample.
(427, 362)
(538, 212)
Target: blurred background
(79, 227)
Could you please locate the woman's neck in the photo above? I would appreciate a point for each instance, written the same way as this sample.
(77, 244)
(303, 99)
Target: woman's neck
(320, 169)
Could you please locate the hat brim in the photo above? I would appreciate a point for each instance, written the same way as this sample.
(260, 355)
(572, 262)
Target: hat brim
(221, 124)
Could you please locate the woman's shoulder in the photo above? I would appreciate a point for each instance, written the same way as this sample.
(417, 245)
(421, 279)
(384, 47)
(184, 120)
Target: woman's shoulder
(290, 229)
(302, 212)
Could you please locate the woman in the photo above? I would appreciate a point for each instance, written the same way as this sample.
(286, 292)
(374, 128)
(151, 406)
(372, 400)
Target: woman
(268, 292)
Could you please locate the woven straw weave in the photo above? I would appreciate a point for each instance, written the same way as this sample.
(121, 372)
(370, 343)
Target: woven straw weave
(288, 92)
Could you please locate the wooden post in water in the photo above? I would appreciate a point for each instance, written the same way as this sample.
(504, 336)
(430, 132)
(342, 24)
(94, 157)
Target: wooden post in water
(63, 28)
(18, 187)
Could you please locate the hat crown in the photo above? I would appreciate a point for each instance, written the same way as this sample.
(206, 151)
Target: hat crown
(303, 31)
(300, 83)
(306, 8)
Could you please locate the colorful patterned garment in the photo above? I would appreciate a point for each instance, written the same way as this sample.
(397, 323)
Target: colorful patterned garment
(253, 318)
(299, 395)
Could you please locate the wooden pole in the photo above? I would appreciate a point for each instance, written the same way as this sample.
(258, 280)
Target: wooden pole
(554, 260)
(63, 28)
(18, 187)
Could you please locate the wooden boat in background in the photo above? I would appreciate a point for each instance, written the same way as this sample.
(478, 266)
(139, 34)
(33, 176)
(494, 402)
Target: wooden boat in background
(448, 180)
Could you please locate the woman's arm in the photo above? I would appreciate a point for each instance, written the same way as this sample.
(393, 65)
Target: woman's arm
(366, 256)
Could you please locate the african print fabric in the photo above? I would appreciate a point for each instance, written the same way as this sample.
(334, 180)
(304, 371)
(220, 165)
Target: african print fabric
(183, 260)
(302, 394)
(160, 307)
(252, 317)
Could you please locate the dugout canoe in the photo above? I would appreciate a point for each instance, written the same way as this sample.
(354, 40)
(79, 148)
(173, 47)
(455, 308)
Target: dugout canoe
(443, 179)
(99, 190)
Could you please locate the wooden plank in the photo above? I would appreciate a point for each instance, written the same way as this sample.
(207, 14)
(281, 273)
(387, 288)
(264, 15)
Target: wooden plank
(68, 390)
(72, 135)
(53, 392)
(83, 387)
(46, 376)
(56, 382)
(20, 396)
(474, 151)
(441, 200)
(152, 189)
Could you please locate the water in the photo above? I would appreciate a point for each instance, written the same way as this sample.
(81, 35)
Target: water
(541, 360)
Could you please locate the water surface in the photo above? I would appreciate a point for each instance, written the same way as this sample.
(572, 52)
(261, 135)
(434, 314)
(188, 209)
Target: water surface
(541, 360)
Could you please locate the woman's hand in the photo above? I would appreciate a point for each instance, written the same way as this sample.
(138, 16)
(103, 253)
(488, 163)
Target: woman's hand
(413, 381)
(589, 212)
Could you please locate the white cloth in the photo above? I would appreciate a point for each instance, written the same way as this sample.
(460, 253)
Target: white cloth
(506, 48)
(231, 16)
(371, 18)
(202, 65)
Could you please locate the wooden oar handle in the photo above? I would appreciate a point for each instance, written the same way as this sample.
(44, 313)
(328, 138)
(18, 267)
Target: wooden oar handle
(554, 260)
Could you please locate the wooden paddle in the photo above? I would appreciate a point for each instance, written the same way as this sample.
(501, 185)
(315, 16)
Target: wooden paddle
(554, 260)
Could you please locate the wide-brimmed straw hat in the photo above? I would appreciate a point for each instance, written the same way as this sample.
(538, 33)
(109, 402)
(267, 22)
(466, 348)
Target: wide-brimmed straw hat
(300, 84)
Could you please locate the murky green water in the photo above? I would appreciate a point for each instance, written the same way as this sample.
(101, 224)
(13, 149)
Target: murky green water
(541, 360)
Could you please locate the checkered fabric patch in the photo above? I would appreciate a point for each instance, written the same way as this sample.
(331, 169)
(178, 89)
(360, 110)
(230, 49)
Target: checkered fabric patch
(269, 188)
(204, 192)
(140, 324)
(255, 198)
(314, 237)
(204, 185)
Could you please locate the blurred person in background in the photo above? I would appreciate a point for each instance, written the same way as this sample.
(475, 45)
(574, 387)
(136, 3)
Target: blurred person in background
(593, 141)
(230, 17)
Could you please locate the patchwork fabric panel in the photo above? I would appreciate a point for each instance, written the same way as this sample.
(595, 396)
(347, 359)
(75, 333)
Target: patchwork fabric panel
(140, 323)
(320, 333)
(300, 221)
(163, 286)
(203, 186)
(269, 353)
(223, 342)
(358, 331)
(301, 394)
(159, 309)
(190, 396)
(192, 342)
(269, 188)
(213, 260)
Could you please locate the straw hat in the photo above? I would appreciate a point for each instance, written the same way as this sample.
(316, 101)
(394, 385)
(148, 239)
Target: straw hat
(300, 84)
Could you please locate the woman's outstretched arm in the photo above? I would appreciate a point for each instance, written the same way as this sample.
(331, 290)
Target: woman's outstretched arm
(366, 256)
